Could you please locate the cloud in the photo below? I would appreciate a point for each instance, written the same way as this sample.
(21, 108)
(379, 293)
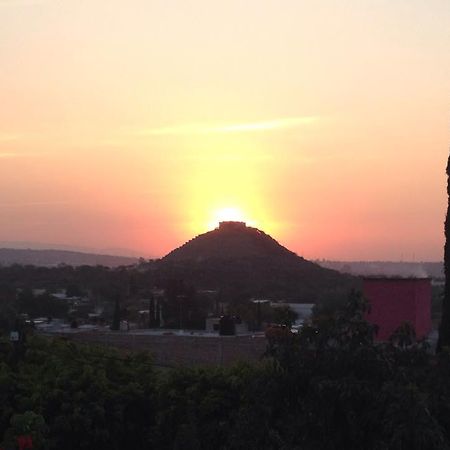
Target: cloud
(8, 154)
(269, 125)
(8, 137)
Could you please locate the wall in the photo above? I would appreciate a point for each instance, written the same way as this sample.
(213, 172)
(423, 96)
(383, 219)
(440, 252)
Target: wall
(170, 350)
(397, 300)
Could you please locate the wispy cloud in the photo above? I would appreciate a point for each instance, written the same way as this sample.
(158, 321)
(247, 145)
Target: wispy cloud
(8, 137)
(7, 155)
(217, 128)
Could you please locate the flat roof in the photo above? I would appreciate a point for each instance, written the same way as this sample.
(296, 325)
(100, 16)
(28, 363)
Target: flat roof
(394, 278)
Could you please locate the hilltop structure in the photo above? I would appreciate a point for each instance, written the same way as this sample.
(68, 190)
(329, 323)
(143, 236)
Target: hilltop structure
(232, 225)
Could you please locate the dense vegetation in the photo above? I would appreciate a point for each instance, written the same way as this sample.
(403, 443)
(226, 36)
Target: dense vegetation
(289, 279)
(329, 387)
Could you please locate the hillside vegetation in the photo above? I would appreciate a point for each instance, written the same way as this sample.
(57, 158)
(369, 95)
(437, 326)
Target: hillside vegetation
(248, 260)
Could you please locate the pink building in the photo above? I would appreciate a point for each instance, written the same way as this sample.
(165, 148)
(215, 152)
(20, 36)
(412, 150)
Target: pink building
(396, 300)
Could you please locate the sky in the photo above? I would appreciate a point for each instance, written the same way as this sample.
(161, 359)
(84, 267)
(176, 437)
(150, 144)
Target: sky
(140, 124)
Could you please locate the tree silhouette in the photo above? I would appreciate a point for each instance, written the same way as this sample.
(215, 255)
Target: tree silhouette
(151, 312)
(444, 329)
(115, 326)
(158, 314)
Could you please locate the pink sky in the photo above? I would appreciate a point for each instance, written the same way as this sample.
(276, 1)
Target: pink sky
(140, 124)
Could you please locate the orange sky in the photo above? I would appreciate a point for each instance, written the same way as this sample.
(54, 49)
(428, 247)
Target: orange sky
(138, 124)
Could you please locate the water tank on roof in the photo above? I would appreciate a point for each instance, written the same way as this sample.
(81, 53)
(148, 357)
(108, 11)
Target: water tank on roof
(227, 326)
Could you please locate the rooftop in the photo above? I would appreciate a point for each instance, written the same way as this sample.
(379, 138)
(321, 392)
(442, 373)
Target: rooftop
(394, 278)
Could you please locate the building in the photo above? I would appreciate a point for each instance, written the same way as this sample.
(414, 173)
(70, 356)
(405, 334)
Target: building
(393, 301)
(231, 225)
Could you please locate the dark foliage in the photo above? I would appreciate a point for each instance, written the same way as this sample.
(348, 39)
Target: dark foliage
(444, 330)
(116, 315)
(183, 308)
(43, 305)
(329, 387)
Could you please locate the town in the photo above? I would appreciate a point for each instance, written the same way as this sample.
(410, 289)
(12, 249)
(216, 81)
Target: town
(140, 307)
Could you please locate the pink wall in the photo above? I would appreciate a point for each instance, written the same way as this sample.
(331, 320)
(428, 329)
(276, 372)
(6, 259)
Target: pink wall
(397, 300)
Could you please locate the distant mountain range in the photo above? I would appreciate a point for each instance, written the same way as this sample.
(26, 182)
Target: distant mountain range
(387, 268)
(31, 245)
(52, 257)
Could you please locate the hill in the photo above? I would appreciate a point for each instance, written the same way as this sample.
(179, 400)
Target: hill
(49, 258)
(237, 259)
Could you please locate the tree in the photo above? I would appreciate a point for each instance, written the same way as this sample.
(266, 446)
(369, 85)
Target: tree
(151, 312)
(284, 316)
(73, 290)
(28, 425)
(404, 336)
(444, 329)
(116, 316)
(8, 307)
(43, 305)
(158, 314)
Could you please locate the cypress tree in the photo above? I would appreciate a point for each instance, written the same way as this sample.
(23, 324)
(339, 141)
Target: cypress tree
(151, 312)
(444, 329)
(158, 314)
(115, 326)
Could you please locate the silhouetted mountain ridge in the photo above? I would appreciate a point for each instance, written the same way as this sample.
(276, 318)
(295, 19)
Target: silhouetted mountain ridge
(236, 258)
(230, 243)
(50, 257)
